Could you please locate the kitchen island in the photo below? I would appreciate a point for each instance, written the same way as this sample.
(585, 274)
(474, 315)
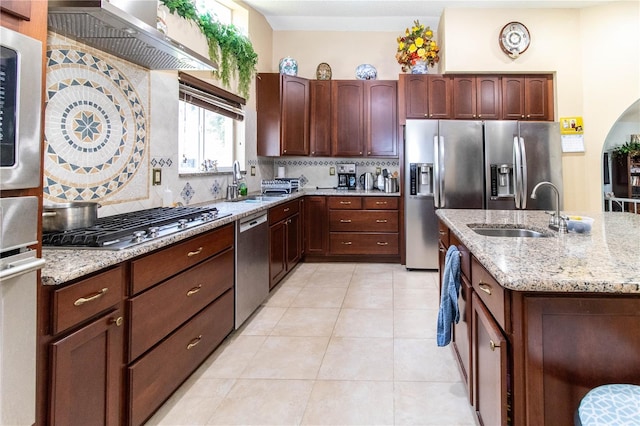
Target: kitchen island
(544, 319)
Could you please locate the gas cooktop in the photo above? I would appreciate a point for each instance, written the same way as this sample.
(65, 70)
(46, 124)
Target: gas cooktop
(129, 229)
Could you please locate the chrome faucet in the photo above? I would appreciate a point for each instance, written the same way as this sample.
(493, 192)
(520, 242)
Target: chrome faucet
(557, 222)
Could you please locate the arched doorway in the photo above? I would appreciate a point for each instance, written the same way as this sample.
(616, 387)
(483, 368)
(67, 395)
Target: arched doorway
(621, 175)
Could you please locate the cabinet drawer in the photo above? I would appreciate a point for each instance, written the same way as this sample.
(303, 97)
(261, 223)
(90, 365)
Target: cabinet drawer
(465, 256)
(84, 299)
(345, 203)
(159, 266)
(363, 243)
(157, 312)
(489, 291)
(155, 376)
(380, 203)
(363, 220)
(277, 213)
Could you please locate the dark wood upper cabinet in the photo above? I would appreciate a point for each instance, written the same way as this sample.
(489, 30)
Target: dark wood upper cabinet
(347, 118)
(527, 97)
(426, 96)
(19, 8)
(320, 118)
(439, 96)
(381, 118)
(283, 121)
(476, 97)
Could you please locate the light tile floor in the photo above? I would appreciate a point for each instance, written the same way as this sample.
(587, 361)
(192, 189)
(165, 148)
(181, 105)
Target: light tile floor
(334, 344)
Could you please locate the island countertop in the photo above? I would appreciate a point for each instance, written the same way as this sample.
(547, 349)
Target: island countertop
(606, 260)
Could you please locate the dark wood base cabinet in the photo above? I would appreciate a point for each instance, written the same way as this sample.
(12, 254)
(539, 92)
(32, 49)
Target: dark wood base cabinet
(155, 376)
(534, 355)
(121, 341)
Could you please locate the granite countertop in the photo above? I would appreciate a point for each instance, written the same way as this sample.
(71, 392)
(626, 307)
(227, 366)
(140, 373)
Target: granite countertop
(63, 265)
(607, 260)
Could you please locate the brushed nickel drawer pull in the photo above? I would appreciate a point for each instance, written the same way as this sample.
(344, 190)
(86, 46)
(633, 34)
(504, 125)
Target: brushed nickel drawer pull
(194, 342)
(286, 209)
(194, 290)
(485, 287)
(441, 232)
(346, 243)
(117, 321)
(84, 300)
(345, 202)
(493, 345)
(345, 220)
(381, 202)
(382, 243)
(381, 221)
(194, 253)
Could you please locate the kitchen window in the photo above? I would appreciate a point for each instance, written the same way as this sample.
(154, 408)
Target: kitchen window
(211, 127)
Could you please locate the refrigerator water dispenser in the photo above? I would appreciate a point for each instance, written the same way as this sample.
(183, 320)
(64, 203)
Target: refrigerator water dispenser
(421, 178)
(502, 180)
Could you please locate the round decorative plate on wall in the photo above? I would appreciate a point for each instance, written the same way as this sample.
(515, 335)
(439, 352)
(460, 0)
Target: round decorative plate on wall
(514, 39)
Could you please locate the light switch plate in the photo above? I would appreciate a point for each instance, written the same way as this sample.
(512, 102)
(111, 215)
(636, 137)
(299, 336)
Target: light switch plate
(332, 171)
(156, 178)
(253, 170)
(378, 170)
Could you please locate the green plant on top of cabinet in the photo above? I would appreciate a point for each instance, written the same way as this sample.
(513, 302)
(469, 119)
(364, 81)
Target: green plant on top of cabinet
(364, 118)
(282, 102)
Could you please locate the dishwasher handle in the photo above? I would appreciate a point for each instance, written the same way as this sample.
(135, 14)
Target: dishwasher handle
(252, 221)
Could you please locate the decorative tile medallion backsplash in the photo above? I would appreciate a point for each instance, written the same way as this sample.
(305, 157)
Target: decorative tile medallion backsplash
(96, 126)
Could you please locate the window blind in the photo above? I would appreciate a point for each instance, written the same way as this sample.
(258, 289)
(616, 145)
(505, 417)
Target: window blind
(208, 96)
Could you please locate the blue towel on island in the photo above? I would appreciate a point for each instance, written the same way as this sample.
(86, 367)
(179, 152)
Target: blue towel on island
(448, 312)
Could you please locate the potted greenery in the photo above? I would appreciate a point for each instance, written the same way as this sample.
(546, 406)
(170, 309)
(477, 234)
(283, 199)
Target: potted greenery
(227, 46)
(631, 149)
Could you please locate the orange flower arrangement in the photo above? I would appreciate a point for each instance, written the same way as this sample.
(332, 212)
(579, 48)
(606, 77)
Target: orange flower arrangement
(417, 44)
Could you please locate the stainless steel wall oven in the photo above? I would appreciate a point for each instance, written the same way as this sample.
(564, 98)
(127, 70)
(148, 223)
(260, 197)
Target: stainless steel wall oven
(20, 110)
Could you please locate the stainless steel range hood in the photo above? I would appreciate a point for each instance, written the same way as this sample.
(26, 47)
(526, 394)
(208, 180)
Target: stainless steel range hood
(124, 28)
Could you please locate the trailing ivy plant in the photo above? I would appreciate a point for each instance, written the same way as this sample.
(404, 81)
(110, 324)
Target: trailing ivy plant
(230, 49)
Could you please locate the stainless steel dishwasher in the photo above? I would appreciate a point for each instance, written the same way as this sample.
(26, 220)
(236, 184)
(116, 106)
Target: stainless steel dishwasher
(252, 265)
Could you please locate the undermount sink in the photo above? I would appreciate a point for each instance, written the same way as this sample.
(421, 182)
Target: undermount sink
(508, 232)
(260, 198)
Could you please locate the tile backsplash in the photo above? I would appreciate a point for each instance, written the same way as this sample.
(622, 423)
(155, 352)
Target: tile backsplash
(110, 123)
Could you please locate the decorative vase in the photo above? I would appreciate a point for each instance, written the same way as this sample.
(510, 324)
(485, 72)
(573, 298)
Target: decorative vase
(323, 72)
(420, 67)
(288, 66)
(366, 72)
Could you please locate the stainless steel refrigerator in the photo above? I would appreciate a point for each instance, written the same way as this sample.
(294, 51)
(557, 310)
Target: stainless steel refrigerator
(518, 155)
(443, 169)
(473, 165)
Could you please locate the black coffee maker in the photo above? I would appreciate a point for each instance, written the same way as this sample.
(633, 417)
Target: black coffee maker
(347, 176)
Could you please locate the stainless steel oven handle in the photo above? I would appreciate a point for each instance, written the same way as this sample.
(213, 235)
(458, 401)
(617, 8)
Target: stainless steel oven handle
(20, 268)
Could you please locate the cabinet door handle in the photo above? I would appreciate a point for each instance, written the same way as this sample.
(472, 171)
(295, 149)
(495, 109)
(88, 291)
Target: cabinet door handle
(441, 232)
(194, 342)
(194, 290)
(83, 300)
(382, 243)
(286, 209)
(493, 345)
(346, 243)
(485, 287)
(381, 202)
(117, 321)
(381, 220)
(194, 253)
(442, 250)
(345, 220)
(345, 202)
